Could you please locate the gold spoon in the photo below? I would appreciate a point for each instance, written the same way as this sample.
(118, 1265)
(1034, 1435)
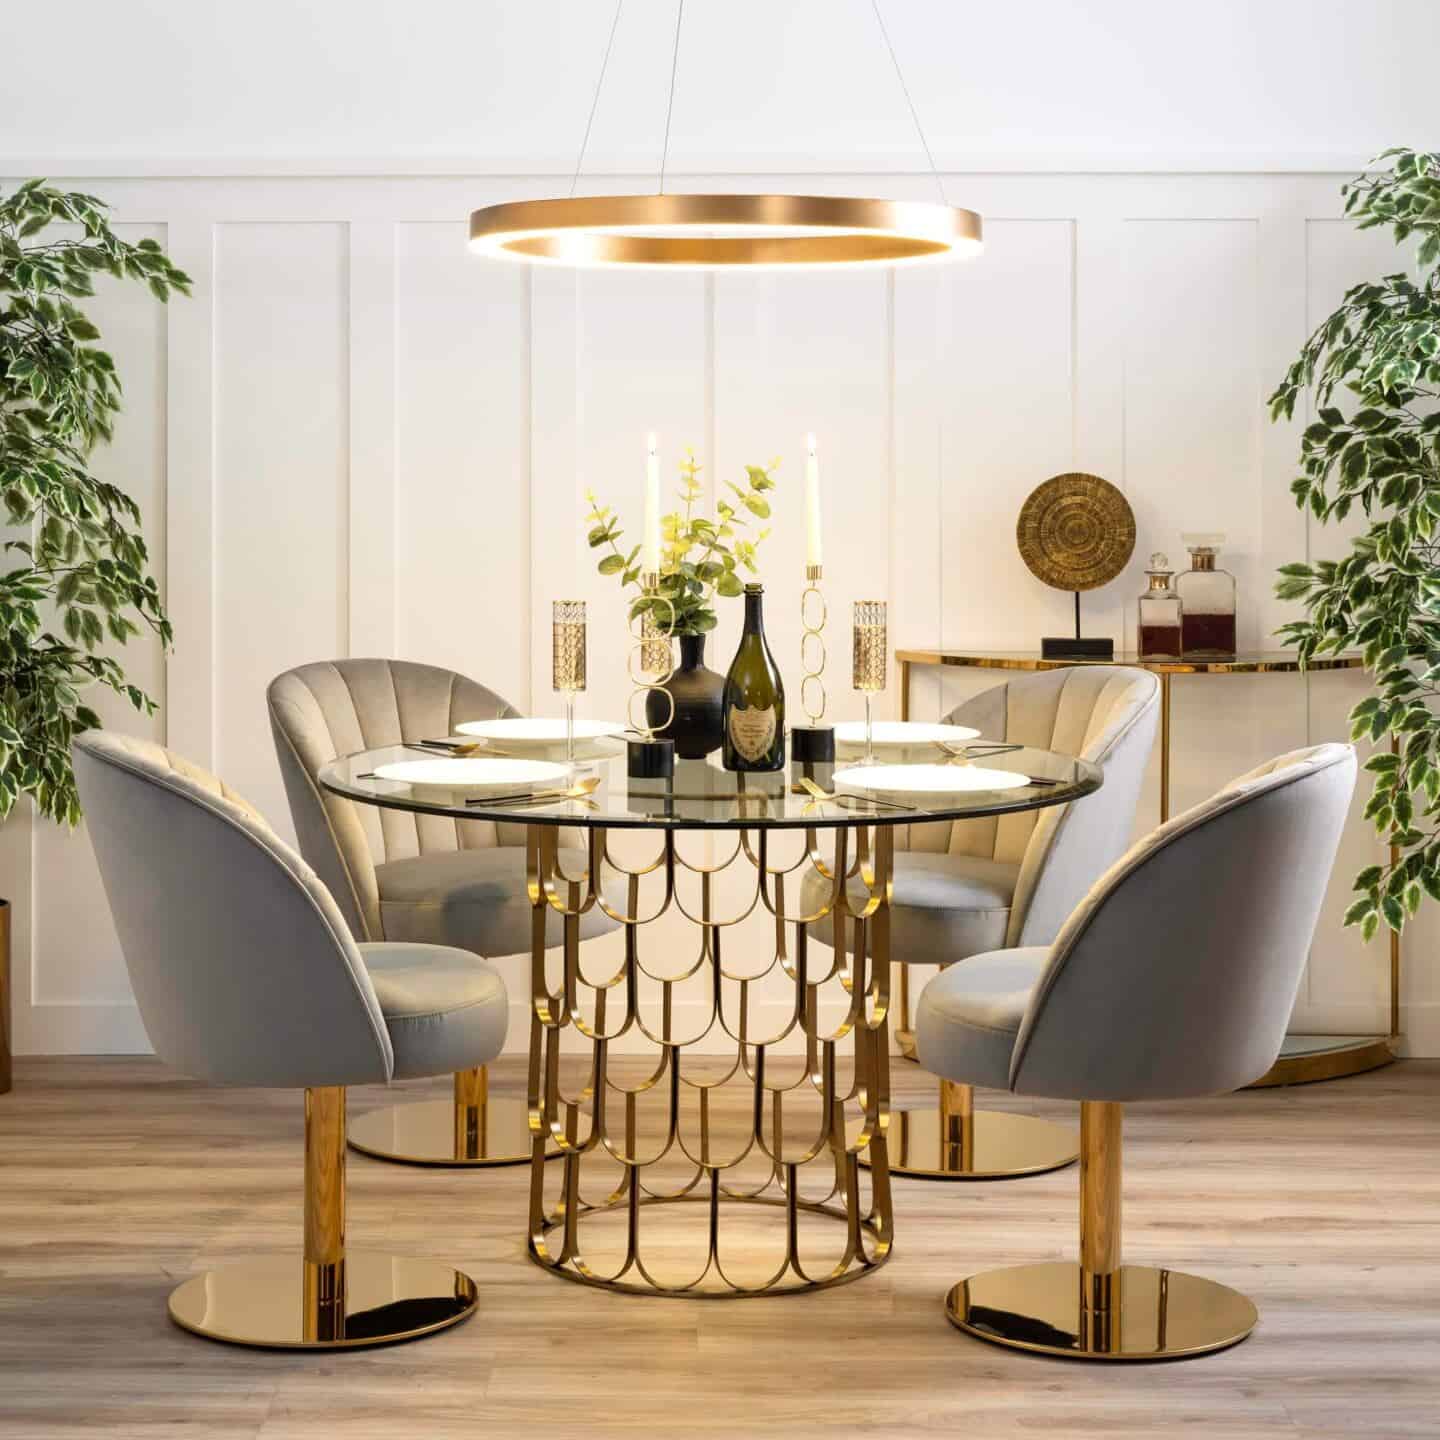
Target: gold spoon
(431, 747)
(811, 788)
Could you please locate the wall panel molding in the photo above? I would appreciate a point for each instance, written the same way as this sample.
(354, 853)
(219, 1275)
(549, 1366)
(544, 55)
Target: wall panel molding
(373, 443)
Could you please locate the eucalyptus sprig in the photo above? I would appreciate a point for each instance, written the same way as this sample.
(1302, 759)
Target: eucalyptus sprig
(84, 562)
(700, 556)
(1380, 354)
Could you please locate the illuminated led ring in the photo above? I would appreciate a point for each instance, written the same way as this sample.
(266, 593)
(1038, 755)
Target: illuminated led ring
(813, 631)
(710, 231)
(645, 679)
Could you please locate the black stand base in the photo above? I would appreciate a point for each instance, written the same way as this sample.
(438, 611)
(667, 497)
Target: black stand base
(1073, 647)
(814, 744)
(650, 759)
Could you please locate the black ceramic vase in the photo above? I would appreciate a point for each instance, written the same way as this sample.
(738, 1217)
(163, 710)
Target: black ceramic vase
(698, 694)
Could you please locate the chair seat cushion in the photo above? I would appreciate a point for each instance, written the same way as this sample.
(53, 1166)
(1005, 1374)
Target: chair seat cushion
(445, 1009)
(944, 907)
(968, 1016)
(475, 899)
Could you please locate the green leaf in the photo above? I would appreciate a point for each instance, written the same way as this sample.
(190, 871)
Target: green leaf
(612, 564)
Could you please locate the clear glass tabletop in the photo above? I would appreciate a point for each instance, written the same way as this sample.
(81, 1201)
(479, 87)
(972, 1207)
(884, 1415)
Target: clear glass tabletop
(702, 795)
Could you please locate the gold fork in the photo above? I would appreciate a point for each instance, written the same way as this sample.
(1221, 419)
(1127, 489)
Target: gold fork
(580, 790)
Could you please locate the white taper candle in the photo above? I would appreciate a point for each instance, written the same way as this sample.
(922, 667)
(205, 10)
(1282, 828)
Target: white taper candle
(812, 504)
(650, 538)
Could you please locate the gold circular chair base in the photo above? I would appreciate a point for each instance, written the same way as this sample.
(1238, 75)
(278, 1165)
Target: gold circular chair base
(999, 1145)
(437, 1132)
(1157, 1314)
(263, 1302)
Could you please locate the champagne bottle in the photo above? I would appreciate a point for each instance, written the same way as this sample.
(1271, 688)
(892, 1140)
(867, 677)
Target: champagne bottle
(754, 716)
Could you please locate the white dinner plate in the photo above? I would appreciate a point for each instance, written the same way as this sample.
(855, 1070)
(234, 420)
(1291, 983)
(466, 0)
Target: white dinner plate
(538, 732)
(476, 776)
(924, 784)
(889, 734)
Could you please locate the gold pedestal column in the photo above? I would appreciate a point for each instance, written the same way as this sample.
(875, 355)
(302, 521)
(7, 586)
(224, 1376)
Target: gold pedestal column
(326, 1298)
(1101, 1309)
(470, 1129)
(600, 1217)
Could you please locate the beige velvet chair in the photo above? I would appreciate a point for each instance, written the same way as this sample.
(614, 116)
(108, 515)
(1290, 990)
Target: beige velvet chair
(245, 973)
(1174, 977)
(403, 876)
(976, 885)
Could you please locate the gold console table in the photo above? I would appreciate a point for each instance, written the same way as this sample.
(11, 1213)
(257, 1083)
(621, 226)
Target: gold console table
(1304, 1057)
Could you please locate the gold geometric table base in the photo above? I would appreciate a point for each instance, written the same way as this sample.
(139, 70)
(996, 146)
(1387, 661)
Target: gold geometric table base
(642, 1147)
(992, 1146)
(438, 1132)
(869, 1248)
(1155, 1315)
(266, 1302)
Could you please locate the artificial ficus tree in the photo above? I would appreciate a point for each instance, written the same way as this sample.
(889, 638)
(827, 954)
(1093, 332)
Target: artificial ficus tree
(1373, 447)
(76, 564)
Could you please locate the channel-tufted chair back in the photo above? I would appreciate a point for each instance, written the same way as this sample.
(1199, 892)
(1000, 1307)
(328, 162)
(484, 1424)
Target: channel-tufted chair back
(244, 969)
(334, 707)
(1103, 713)
(1177, 973)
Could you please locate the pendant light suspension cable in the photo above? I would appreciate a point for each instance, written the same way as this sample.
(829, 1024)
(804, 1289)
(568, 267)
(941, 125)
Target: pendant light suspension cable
(670, 106)
(595, 103)
(905, 90)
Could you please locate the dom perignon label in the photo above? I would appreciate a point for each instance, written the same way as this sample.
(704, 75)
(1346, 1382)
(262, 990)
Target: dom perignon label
(752, 733)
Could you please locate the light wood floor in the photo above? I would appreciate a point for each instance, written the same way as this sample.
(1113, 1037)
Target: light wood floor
(117, 1181)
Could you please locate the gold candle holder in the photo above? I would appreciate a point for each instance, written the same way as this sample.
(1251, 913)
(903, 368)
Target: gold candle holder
(651, 664)
(813, 742)
(871, 659)
(567, 661)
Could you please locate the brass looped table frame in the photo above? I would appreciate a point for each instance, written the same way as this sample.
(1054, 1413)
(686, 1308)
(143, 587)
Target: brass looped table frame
(854, 1117)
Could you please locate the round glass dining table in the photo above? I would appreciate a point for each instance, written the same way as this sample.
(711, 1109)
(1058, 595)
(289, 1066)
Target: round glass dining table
(716, 1091)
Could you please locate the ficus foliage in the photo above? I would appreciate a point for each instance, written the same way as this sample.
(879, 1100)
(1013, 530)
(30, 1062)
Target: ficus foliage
(700, 556)
(78, 565)
(1373, 448)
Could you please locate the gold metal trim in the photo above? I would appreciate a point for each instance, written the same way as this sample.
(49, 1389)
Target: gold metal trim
(1369, 1052)
(597, 1127)
(1263, 663)
(724, 231)
(323, 1298)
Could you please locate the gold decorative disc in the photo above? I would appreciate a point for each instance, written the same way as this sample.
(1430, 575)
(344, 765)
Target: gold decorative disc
(1076, 532)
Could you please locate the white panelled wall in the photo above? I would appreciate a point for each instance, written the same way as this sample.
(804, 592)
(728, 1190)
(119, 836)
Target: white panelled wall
(357, 439)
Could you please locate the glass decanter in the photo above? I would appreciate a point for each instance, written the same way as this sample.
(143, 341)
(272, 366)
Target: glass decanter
(1207, 602)
(1157, 614)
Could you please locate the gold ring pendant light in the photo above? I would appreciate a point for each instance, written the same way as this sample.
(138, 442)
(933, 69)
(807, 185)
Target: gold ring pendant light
(708, 232)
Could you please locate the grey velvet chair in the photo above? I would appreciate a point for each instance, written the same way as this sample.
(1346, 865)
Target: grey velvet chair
(966, 888)
(1174, 977)
(401, 876)
(245, 973)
